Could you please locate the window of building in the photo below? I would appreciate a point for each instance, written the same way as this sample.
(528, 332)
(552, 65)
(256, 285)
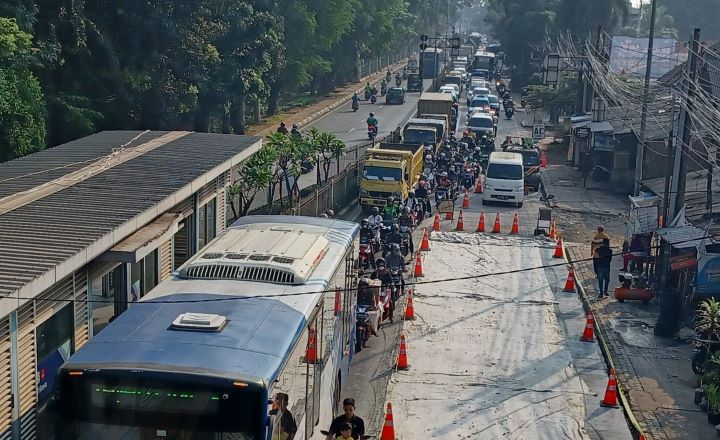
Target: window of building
(143, 276)
(103, 296)
(207, 227)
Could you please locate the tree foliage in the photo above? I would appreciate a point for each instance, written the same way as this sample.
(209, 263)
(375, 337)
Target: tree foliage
(254, 175)
(22, 113)
(196, 64)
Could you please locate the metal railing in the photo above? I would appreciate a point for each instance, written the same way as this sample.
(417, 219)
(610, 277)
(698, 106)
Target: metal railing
(379, 64)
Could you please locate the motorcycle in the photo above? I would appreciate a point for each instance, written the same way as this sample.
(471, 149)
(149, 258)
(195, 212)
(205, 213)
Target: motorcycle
(396, 273)
(405, 232)
(372, 132)
(398, 81)
(362, 326)
(366, 256)
(355, 106)
(373, 98)
(468, 181)
(387, 303)
(367, 95)
(509, 112)
(383, 90)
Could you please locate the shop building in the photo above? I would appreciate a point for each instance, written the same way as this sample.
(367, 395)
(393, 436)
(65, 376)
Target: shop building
(86, 229)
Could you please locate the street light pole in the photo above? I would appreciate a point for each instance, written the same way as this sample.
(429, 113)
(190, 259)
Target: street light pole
(646, 92)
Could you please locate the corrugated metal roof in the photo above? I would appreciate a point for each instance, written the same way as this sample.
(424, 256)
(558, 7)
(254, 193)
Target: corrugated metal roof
(102, 210)
(695, 195)
(30, 171)
(683, 236)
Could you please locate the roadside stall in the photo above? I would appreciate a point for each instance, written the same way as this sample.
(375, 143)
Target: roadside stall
(638, 266)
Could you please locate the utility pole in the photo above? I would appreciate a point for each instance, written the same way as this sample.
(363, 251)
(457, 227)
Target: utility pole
(581, 85)
(640, 153)
(677, 191)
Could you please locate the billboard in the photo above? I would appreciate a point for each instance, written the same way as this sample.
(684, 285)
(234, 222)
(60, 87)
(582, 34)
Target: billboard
(628, 56)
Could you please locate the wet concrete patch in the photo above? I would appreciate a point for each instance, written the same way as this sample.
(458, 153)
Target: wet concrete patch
(635, 332)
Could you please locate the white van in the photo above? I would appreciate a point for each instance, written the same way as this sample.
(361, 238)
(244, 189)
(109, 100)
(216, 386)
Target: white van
(504, 178)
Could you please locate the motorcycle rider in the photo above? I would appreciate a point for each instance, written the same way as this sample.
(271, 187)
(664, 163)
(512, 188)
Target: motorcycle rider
(398, 79)
(396, 261)
(372, 122)
(382, 273)
(442, 161)
(282, 128)
(368, 90)
(388, 75)
(444, 180)
(391, 209)
(366, 232)
(406, 221)
(507, 143)
(356, 99)
(422, 195)
(467, 138)
(375, 220)
(295, 131)
(383, 85)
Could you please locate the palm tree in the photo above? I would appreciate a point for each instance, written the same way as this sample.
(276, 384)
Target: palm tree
(581, 17)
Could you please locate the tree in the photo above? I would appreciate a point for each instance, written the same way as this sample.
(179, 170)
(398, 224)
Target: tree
(22, 111)
(690, 14)
(664, 23)
(581, 17)
(255, 174)
(329, 148)
(555, 99)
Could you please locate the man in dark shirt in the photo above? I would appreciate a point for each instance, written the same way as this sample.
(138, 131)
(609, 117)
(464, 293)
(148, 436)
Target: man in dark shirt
(602, 264)
(358, 425)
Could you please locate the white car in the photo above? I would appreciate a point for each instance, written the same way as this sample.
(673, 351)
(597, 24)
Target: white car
(504, 178)
(478, 103)
(450, 90)
(475, 91)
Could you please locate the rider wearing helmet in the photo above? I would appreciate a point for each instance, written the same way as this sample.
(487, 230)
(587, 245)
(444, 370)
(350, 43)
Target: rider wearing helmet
(406, 222)
(382, 273)
(295, 131)
(375, 220)
(396, 261)
(390, 210)
(421, 194)
(366, 232)
(282, 128)
(372, 121)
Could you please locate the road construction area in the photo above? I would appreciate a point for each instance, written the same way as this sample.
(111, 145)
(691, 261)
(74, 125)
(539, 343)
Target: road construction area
(494, 348)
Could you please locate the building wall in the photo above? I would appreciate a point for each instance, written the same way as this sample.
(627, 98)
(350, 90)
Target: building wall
(39, 336)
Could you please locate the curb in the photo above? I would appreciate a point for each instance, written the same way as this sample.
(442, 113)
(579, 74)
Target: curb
(635, 428)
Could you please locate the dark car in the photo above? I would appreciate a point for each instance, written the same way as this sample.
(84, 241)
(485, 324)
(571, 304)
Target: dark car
(414, 83)
(481, 125)
(395, 95)
(531, 165)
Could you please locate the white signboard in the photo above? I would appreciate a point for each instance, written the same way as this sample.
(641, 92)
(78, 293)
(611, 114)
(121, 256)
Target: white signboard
(538, 131)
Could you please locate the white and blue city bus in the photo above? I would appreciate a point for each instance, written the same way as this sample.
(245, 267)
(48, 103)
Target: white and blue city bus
(200, 356)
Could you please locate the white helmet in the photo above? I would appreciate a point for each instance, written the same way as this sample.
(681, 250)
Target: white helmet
(428, 157)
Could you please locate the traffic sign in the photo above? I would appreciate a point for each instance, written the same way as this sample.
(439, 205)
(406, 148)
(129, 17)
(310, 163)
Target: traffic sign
(423, 37)
(423, 46)
(455, 43)
(538, 131)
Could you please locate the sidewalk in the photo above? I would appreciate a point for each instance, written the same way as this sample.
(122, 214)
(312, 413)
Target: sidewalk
(304, 115)
(654, 372)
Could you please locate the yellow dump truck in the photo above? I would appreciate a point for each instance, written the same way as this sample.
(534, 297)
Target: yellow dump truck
(437, 104)
(389, 169)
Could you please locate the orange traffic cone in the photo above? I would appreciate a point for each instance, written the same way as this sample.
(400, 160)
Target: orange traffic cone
(436, 223)
(311, 355)
(409, 309)
(460, 223)
(589, 333)
(479, 185)
(449, 215)
(466, 201)
(388, 430)
(570, 283)
(496, 226)
(553, 231)
(558, 249)
(338, 302)
(610, 399)
(418, 266)
(543, 159)
(402, 362)
(516, 225)
(425, 244)
(481, 223)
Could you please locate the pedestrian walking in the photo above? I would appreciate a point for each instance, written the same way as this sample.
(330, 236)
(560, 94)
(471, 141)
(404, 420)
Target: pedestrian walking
(602, 262)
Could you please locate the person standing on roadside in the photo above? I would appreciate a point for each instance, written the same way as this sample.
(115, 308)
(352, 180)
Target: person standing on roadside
(339, 424)
(602, 261)
(597, 240)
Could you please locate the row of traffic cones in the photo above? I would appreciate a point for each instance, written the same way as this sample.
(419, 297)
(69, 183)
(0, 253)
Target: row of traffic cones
(610, 399)
(460, 225)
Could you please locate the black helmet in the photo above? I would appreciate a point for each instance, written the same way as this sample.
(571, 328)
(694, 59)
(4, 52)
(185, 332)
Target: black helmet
(282, 124)
(372, 115)
(295, 126)
(395, 248)
(376, 210)
(395, 227)
(411, 194)
(364, 223)
(380, 262)
(390, 200)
